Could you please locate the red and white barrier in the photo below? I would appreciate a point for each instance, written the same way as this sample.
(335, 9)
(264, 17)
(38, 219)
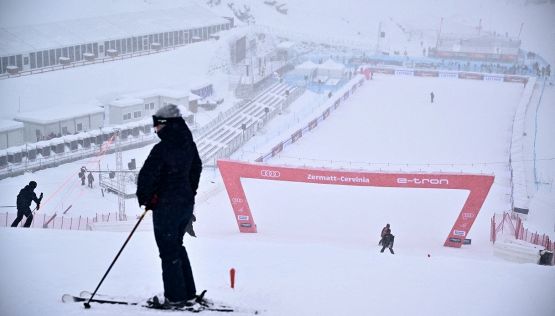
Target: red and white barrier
(478, 185)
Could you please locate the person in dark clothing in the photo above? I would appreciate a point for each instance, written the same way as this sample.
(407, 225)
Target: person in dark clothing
(432, 97)
(24, 199)
(386, 230)
(387, 242)
(82, 175)
(90, 179)
(167, 185)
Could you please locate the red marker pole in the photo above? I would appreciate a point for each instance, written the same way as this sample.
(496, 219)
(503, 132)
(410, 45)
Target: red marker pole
(232, 277)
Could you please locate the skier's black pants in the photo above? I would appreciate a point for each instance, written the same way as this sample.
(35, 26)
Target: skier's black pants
(169, 229)
(390, 249)
(20, 213)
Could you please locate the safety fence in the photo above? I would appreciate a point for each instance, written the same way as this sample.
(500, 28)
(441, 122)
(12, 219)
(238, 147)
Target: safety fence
(60, 222)
(511, 225)
(333, 103)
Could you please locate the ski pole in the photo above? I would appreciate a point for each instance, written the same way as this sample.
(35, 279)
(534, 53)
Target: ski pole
(87, 303)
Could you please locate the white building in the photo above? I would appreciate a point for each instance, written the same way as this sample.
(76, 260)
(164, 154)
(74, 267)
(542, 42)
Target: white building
(11, 134)
(136, 106)
(29, 47)
(55, 122)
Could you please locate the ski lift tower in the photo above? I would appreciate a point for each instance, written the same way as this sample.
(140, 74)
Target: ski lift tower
(120, 180)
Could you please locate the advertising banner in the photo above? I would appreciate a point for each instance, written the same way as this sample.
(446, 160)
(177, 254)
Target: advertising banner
(493, 77)
(298, 134)
(515, 79)
(404, 72)
(470, 75)
(426, 73)
(477, 185)
(448, 74)
(387, 71)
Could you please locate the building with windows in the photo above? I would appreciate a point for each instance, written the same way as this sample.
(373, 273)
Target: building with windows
(33, 47)
(55, 122)
(11, 134)
(136, 106)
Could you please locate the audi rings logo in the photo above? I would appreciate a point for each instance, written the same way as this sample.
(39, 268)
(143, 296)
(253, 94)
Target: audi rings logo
(270, 173)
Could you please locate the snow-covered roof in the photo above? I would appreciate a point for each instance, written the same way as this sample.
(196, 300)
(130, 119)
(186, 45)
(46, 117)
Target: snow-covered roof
(176, 94)
(56, 114)
(286, 45)
(125, 102)
(307, 65)
(330, 64)
(19, 39)
(9, 125)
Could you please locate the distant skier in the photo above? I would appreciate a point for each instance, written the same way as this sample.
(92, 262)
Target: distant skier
(24, 199)
(432, 97)
(90, 179)
(385, 230)
(82, 175)
(387, 239)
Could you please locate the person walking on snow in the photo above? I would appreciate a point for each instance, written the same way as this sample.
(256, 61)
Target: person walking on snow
(387, 239)
(24, 199)
(432, 97)
(90, 179)
(167, 185)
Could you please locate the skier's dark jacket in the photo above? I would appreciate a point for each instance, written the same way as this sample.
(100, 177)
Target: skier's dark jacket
(170, 175)
(25, 197)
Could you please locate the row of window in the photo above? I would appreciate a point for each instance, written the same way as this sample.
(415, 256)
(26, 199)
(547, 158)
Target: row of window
(127, 45)
(136, 114)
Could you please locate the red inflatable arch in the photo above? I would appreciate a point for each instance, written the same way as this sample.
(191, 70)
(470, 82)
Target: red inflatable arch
(478, 185)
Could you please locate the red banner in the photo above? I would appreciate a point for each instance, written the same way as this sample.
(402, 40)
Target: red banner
(478, 185)
(426, 73)
(470, 75)
(515, 79)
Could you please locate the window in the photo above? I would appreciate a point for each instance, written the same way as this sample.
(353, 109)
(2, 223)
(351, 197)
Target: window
(52, 57)
(152, 105)
(126, 116)
(58, 54)
(19, 61)
(137, 114)
(46, 58)
(64, 52)
(64, 130)
(71, 55)
(79, 127)
(33, 64)
(26, 60)
(149, 106)
(39, 59)
(77, 53)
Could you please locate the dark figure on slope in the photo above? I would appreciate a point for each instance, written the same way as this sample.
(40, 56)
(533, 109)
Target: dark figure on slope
(167, 185)
(432, 96)
(90, 179)
(24, 199)
(385, 230)
(387, 239)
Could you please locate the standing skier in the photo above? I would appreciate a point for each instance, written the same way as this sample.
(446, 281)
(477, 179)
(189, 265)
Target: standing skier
(432, 97)
(24, 199)
(387, 239)
(90, 179)
(167, 185)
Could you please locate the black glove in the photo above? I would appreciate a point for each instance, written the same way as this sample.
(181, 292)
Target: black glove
(38, 207)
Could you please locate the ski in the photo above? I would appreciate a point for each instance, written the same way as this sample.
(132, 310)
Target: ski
(68, 298)
(205, 305)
